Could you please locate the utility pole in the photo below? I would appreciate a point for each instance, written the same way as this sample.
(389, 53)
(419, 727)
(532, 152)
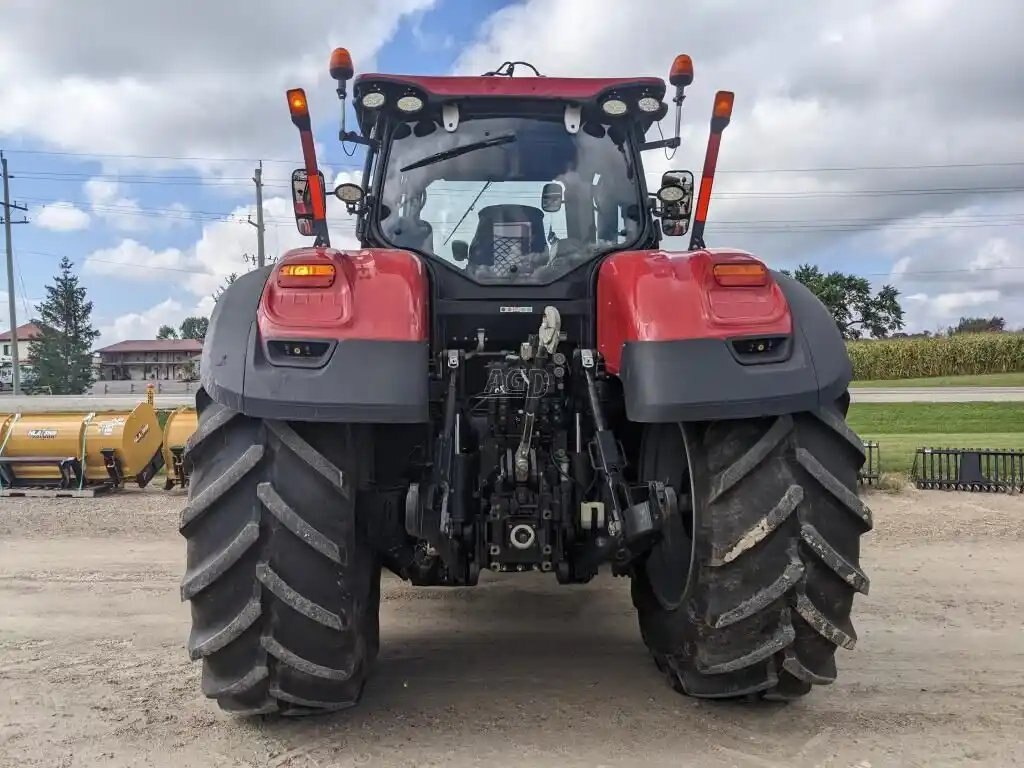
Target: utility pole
(258, 179)
(8, 207)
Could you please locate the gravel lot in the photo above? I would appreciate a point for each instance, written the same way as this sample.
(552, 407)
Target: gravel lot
(518, 671)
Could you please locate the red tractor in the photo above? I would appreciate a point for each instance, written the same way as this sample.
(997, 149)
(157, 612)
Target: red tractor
(510, 373)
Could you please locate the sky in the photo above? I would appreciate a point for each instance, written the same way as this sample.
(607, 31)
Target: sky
(883, 137)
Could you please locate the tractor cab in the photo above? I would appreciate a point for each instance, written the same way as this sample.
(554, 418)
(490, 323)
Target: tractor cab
(501, 182)
(507, 181)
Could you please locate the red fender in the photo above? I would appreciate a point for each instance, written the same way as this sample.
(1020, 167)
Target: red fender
(377, 294)
(662, 296)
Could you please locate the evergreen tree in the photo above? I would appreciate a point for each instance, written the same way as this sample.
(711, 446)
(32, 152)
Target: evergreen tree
(62, 355)
(166, 332)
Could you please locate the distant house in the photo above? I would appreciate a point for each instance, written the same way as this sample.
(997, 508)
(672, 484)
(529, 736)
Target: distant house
(26, 333)
(150, 360)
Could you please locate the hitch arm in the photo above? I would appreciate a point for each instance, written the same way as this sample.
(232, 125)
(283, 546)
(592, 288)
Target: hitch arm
(442, 475)
(634, 522)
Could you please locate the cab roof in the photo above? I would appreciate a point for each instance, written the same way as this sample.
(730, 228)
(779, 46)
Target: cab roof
(565, 88)
(446, 89)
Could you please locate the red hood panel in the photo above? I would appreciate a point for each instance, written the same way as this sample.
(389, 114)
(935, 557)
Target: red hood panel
(664, 296)
(377, 294)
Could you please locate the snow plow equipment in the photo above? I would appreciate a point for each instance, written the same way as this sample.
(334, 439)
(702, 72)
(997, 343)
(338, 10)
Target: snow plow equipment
(77, 450)
(178, 428)
(522, 367)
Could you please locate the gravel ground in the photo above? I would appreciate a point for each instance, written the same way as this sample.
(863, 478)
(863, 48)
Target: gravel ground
(518, 671)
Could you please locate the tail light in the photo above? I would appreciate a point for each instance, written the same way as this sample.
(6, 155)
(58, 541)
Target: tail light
(747, 274)
(306, 276)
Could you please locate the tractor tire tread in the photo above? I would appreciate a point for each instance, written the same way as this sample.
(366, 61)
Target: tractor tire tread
(279, 574)
(776, 563)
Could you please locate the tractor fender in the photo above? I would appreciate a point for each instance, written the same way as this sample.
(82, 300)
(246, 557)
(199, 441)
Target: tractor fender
(361, 344)
(681, 353)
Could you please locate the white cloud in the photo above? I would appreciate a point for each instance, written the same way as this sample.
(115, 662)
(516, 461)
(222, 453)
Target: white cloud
(947, 272)
(159, 82)
(141, 325)
(202, 266)
(131, 260)
(110, 204)
(61, 217)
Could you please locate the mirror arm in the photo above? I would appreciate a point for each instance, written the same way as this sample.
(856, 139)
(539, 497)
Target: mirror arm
(672, 143)
(358, 138)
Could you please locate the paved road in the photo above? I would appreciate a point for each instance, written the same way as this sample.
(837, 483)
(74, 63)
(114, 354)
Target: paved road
(50, 404)
(518, 671)
(937, 394)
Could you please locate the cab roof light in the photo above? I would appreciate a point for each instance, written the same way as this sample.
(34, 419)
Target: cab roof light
(341, 65)
(681, 74)
(745, 274)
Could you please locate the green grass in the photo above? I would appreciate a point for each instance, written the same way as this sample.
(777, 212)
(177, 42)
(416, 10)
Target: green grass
(901, 428)
(897, 451)
(976, 380)
(937, 418)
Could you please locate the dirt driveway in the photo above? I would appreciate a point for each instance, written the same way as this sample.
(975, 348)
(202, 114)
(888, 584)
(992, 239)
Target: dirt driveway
(517, 672)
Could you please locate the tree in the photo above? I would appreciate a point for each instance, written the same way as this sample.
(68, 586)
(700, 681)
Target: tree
(62, 354)
(194, 328)
(849, 299)
(994, 324)
(166, 332)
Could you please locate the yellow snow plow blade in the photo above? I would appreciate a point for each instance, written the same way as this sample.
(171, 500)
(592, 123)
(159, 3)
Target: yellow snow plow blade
(70, 450)
(177, 430)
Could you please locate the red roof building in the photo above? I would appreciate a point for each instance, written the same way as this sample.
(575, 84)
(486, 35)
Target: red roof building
(26, 333)
(150, 360)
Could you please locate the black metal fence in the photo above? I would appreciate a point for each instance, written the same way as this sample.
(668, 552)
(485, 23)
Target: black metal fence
(969, 469)
(872, 470)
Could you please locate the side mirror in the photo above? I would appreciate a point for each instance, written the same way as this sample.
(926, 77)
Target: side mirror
(675, 227)
(551, 197)
(676, 202)
(301, 202)
(351, 195)
(460, 250)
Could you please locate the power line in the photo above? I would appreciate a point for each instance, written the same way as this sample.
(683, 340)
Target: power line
(24, 290)
(298, 162)
(119, 156)
(869, 192)
(843, 168)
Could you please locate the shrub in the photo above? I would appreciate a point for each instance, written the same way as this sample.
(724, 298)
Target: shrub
(961, 354)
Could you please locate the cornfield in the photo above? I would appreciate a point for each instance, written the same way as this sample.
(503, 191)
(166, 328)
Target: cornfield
(960, 354)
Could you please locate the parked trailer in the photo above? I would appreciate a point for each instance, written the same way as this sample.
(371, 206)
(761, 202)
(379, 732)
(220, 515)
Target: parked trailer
(76, 450)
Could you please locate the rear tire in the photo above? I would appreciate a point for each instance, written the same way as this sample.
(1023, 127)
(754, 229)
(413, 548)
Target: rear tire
(775, 556)
(283, 585)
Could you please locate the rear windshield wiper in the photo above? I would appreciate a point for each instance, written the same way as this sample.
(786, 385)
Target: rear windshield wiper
(456, 151)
